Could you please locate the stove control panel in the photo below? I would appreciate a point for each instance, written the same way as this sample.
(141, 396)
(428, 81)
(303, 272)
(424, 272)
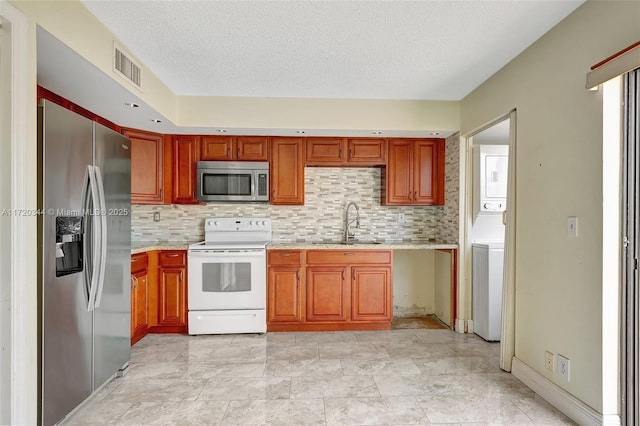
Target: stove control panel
(237, 224)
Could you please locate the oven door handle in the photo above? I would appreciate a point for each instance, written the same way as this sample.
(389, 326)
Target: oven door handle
(208, 254)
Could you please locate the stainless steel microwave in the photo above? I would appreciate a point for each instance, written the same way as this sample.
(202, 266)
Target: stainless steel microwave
(240, 181)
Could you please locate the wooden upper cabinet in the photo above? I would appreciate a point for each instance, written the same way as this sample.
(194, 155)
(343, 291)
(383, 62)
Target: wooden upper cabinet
(232, 148)
(399, 176)
(216, 148)
(345, 151)
(147, 167)
(287, 171)
(426, 188)
(185, 158)
(322, 151)
(252, 148)
(415, 172)
(366, 151)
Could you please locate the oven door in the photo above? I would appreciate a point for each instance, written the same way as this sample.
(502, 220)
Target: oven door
(227, 279)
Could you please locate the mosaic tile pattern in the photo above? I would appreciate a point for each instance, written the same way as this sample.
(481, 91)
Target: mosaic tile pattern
(328, 190)
(448, 218)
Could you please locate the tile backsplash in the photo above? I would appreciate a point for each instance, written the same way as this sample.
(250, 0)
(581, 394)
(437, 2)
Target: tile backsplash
(327, 192)
(448, 223)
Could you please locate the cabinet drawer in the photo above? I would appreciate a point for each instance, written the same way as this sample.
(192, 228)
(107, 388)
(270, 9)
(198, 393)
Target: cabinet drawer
(283, 257)
(139, 262)
(173, 258)
(351, 257)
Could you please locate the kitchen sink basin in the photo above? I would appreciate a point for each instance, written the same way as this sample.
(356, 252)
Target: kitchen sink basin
(350, 243)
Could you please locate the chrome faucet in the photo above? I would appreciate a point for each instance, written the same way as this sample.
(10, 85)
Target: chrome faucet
(348, 235)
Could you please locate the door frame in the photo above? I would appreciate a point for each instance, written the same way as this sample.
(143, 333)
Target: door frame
(507, 343)
(23, 335)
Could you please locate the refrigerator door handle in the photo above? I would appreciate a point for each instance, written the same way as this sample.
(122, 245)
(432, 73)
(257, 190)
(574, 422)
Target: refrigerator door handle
(90, 214)
(102, 241)
(86, 196)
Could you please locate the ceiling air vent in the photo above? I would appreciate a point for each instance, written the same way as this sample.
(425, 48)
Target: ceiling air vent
(126, 67)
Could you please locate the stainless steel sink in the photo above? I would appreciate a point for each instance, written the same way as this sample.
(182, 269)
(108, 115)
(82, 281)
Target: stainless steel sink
(359, 242)
(342, 243)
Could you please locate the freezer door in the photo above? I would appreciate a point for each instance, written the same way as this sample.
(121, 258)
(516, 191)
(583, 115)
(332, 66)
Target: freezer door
(65, 150)
(112, 314)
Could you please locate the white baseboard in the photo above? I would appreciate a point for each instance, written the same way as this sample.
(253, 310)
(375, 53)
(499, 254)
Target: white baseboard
(464, 326)
(571, 406)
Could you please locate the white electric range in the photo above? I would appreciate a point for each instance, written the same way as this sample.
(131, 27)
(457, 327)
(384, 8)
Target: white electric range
(228, 277)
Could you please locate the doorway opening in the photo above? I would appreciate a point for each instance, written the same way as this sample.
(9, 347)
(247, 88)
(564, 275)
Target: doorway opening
(489, 234)
(5, 219)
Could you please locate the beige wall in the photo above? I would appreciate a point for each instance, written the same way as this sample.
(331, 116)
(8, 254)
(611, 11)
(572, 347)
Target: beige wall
(413, 282)
(323, 114)
(75, 26)
(559, 174)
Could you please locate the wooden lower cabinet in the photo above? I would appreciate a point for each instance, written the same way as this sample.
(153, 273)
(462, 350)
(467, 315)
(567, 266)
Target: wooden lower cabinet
(370, 293)
(342, 290)
(327, 293)
(284, 296)
(139, 297)
(158, 293)
(172, 292)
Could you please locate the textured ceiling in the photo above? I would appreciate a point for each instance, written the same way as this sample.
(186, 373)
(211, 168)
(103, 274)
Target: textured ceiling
(435, 50)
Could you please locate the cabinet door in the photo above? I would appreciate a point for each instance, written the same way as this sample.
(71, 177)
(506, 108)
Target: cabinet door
(252, 148)
(327, 294)
(147, 171)
(172, 297)
(185, 158)
(429, 172)
(139, 296)
(323, 151)
(216, 148)
(399, 173)
(287, 171)
(366, 152)
(284, 297)
(371, 298)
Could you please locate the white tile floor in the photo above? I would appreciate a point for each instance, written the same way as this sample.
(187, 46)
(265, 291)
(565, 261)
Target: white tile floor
(325, 378)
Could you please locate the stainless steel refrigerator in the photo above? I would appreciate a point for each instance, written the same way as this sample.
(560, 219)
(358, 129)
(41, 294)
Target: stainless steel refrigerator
(84, 237)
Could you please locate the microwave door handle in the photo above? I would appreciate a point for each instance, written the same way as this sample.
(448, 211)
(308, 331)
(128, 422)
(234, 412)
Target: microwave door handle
(254, 177)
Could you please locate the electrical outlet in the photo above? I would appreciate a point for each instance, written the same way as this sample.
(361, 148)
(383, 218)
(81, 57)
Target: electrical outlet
(401, 218)
(156, 216)
(548, 360)
(563, 367)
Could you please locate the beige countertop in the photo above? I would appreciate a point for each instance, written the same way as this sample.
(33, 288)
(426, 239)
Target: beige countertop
(143, 246)
(384, 245)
